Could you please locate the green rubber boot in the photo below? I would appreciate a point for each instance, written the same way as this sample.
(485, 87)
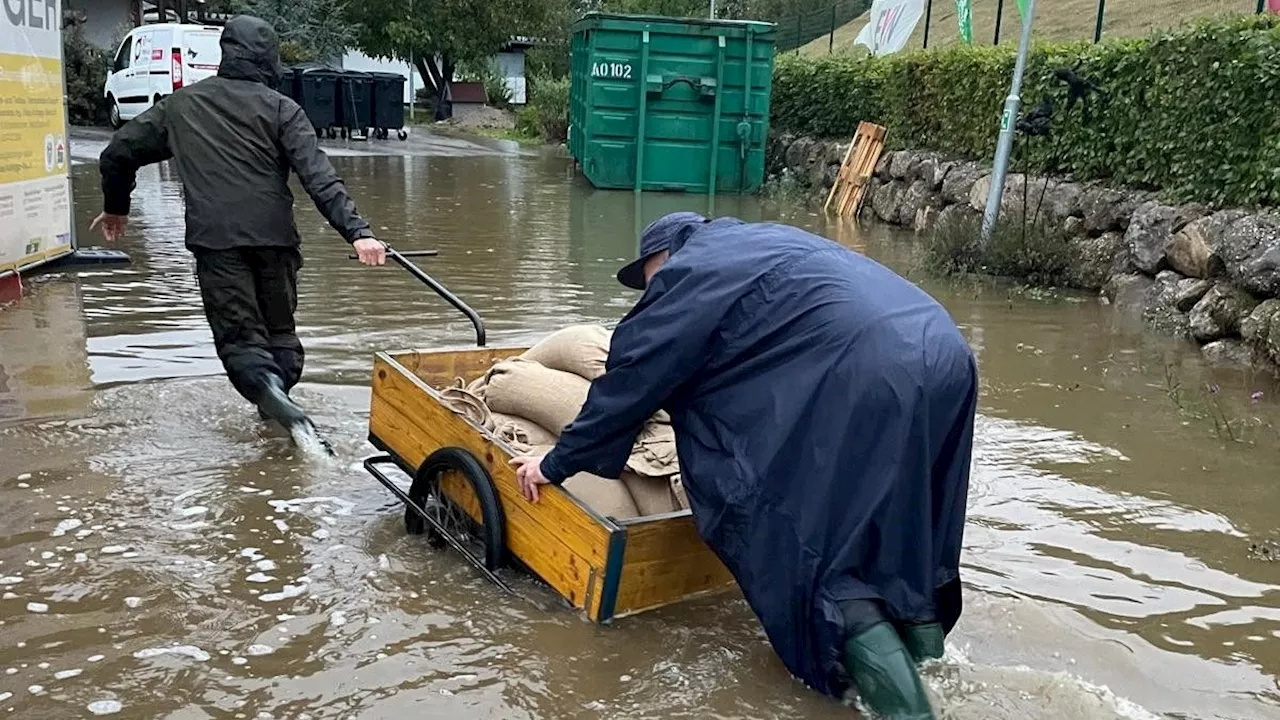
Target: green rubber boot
(924, 641)
(885, 675)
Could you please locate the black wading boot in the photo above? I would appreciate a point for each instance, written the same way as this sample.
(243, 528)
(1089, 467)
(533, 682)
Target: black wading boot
(275, 404)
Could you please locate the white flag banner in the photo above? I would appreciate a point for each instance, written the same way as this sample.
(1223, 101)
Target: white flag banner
(891, 25)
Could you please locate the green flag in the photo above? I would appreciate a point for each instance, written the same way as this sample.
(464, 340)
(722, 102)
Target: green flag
(965, 17)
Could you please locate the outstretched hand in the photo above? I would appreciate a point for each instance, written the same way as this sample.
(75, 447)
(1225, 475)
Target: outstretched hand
(370, 251)
(529, 473)
(112, 225)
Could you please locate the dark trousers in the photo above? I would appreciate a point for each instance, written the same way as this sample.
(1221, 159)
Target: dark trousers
(250, 295)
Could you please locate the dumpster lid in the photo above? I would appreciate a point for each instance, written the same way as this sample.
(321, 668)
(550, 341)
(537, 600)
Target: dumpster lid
(595, 18)
(386, 75)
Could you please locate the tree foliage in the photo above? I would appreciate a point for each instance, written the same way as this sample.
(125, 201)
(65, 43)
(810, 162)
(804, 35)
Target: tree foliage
(85, 69)
(1188, 111)
(310, 30)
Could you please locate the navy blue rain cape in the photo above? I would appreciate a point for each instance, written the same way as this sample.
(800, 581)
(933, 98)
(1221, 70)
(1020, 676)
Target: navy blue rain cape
(823, 408)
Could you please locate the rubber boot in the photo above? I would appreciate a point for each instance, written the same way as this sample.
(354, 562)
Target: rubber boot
(275, 403)
(923, 641)
(885, 674)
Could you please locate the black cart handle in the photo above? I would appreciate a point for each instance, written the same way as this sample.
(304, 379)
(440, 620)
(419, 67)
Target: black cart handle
(402, 258)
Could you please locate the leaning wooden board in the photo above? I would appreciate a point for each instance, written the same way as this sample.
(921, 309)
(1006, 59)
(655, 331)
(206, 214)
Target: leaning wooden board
(609, 569)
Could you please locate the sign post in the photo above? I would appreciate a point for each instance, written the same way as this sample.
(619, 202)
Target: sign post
(35, 164)
(1008, 120)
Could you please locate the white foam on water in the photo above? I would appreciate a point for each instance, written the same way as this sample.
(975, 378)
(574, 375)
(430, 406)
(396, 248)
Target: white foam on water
(24, 476)
(11, 671)
(248, 489)
(257, 650)
(320, 534)
(10, 580)
(35, 607)
(190, 651)
(129, 554)
(35, 689)
(67, 674)
(5, 696)
(289, 591)
(282, 526)
(193, 525)
(265, 565)
(259, 578)
(97, 658)
(238, 661)
(105, 707)
(132, 602)
(194, 510)
(114, 549)
(183, 496)
(82, 557)
(344, 507)
(23, 486)
(338, 618)
(66, 526)
(84, 533)
(43, 666)
(9, 596)
(46, 555)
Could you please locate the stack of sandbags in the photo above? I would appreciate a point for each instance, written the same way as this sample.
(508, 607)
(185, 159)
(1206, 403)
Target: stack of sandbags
(529, 400)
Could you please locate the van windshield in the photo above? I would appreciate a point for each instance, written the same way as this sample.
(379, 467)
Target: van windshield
(202, 48)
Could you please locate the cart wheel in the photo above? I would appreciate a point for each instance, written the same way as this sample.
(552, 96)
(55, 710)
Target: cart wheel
(468, 493)
(403, 135)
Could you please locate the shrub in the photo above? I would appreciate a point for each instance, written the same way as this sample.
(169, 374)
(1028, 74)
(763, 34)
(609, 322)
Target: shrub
(549, 98)
(495, 83)
(85, 69)
(1189, 111)
(1033, 253)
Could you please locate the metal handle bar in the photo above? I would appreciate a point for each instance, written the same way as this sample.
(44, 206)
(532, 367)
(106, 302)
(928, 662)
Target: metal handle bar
(402, 258)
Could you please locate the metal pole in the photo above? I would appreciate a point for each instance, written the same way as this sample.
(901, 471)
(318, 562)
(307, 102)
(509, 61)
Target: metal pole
(1262, 6)
(928, 17)
(999, 17)
(713, 10)
(413, 92)
(1097, 29)
(831, 44)
(1011, 103)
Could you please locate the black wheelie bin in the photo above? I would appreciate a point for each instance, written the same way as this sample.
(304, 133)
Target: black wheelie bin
(318, 96)
(388, 105)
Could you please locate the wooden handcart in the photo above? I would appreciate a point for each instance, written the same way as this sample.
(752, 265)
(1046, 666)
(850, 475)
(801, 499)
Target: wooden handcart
(464, 494)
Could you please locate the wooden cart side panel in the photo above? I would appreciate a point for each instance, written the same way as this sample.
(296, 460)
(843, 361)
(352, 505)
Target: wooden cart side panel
(439, 369)
(555, 538)
(666, 561)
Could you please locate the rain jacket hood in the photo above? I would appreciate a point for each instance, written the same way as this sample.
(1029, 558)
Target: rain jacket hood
(250, 51)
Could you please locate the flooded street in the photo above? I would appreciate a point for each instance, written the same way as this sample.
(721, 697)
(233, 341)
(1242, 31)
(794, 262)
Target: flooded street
(164, 554)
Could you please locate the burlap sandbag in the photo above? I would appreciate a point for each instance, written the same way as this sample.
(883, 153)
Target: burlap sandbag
(652, 495)
(550, 398)
(610, 498)
(467, 404)
(578, 349)
(654, 454)
(520, 433)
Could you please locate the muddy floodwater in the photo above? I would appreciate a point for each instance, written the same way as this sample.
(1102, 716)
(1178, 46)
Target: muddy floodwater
(164, 554)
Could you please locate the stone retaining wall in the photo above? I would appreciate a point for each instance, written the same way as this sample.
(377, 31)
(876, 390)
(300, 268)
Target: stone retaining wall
(1212, 277)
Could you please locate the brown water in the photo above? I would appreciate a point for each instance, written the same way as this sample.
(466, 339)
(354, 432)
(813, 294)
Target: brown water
(164, 555)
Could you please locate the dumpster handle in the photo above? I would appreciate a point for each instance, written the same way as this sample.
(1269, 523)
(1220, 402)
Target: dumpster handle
(402, 258)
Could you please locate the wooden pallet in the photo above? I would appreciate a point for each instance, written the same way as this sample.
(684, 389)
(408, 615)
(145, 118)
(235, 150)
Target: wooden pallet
(850, 187)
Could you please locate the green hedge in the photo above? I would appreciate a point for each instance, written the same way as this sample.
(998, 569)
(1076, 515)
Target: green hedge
(1193, 112)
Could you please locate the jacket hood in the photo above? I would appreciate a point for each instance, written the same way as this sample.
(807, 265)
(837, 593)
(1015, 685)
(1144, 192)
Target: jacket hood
(250, 51)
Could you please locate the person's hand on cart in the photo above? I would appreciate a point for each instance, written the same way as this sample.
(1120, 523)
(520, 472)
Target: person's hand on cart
(529, 473)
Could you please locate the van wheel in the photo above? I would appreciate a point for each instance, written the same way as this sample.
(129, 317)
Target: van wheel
(113, 114)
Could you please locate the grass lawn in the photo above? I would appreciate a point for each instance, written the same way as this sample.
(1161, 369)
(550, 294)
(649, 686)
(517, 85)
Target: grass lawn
(1061, 20)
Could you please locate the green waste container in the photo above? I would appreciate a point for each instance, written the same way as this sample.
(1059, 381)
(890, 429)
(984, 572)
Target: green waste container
(661, 103)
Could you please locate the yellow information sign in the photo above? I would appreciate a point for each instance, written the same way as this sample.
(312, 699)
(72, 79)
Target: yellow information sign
(35, 163)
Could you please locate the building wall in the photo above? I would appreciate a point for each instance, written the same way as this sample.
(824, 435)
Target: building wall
(510, 63)
(107, 20)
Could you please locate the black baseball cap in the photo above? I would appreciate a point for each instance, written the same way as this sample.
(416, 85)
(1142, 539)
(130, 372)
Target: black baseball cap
(656, 238)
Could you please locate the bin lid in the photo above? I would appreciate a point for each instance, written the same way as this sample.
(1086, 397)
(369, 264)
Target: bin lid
(317, 69)
(378, 75)
(673, 24)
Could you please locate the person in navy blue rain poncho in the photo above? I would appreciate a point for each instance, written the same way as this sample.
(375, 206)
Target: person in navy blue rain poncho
(823, 408)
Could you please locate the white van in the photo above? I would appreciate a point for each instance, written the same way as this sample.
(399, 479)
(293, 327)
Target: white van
(155, 60)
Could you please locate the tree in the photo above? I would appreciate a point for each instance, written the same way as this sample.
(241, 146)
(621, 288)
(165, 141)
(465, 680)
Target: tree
(310, 30)
(438, 34)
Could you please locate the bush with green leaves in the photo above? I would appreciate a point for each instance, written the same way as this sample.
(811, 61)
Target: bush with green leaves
(549, 98)
(85, 70)
(1032, 252)
(1190, 112)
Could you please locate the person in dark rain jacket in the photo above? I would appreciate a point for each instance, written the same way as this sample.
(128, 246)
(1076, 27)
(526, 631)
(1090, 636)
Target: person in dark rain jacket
(824, 411)
(234, 140)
